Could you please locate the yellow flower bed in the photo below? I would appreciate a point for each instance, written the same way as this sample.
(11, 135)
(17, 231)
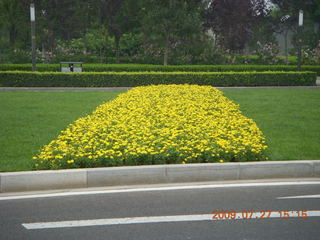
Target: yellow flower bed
(157, 125)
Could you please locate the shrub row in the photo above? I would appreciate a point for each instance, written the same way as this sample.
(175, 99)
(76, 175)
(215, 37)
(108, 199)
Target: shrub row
(161, 68)
(132, 79)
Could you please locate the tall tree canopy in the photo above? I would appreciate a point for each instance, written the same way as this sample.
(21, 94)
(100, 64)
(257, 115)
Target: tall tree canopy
(119, 17)
(149, 28)
(170, 21)
(13, 17)
(234, 21)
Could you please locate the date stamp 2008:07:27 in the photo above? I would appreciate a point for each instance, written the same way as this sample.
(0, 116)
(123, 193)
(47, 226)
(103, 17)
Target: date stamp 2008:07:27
(262, 214)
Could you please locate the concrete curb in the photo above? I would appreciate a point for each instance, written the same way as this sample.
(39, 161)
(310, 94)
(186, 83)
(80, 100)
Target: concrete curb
(117, 176)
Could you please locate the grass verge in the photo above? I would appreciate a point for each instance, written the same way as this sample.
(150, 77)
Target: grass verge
(290, 119)
(28, 120)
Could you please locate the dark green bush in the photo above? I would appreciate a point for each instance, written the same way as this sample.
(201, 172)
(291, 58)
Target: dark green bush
(131, 79)
(28, 67)
(171, 68)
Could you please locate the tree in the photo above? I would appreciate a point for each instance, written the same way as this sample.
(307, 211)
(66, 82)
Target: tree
(167, 22)
(311, 10)
(234, 21)
(282, 22)
(63, 20)
(13, 17)
(119, 17)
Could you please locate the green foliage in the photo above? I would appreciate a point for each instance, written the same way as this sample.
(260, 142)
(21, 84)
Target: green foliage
(161, 68)
(119, 17)
(28, 67)
(311, 56)
(140, 31)
(132, 79)
(263, 34)
(200, 50)
(13, 21)
(15, 56)
(235, 21)
(311, 9)
(170, 23)
(268, 53)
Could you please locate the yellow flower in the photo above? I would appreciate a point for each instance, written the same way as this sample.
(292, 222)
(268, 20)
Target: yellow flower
(178, 122)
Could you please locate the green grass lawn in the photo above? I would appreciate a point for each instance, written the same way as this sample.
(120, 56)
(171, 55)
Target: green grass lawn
(28, 120)
(290, 119)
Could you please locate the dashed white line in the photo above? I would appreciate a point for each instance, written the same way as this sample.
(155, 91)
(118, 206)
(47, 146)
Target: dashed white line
(300, 197)
(161, 219)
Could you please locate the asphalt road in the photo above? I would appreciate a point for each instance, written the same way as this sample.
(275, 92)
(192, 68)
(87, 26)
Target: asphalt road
(127, 214)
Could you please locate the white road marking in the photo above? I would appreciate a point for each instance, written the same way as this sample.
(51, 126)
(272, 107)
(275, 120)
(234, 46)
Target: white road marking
(149, 189)
(300, 196)
(163, 219)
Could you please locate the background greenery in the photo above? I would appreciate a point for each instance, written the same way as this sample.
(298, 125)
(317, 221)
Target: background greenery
(156, 32)
(29, 120)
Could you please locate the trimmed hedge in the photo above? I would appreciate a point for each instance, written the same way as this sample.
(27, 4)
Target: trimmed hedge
(161, 68)
(132, 79)
(28, 67)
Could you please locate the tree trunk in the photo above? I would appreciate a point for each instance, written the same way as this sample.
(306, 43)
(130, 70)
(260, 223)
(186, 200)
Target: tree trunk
(85, 42)
(166, 51)
(12, 35)
(286, 45)
(51, 37)
(117, 48)
(43, 53)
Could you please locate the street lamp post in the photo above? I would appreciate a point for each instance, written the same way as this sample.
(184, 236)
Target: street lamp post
(300, 38)
(33, 35)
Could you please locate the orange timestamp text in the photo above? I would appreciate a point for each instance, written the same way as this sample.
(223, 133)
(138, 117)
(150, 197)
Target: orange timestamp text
(262, 214)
